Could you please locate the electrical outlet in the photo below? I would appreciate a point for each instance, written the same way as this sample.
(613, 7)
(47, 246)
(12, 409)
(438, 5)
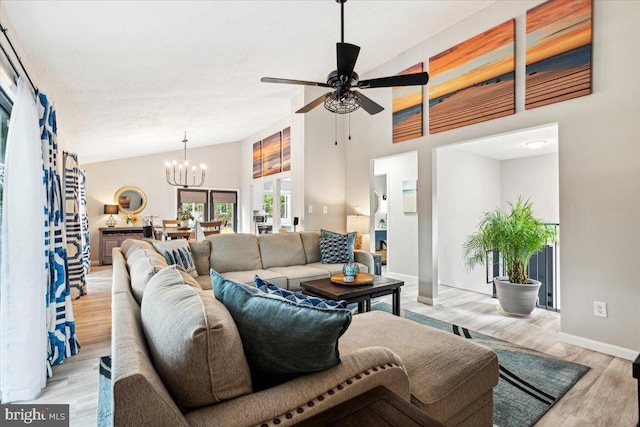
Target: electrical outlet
(599, 309)
(310, 208)
(325, 210)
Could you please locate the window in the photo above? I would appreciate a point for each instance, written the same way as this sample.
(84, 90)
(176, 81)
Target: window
(209, 205)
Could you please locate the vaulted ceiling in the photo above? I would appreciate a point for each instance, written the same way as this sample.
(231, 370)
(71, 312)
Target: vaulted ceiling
(129, 77)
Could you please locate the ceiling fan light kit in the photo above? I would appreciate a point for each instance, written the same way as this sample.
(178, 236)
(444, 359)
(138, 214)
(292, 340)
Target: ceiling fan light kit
(344, 100)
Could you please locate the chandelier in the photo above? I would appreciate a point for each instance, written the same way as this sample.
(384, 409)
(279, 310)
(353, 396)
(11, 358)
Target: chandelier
(178, 175)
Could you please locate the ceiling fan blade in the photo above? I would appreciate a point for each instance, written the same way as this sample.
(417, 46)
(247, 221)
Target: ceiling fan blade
(313, 104)
(416, 79)
(369, 105)
(347, 56)
(292, 82)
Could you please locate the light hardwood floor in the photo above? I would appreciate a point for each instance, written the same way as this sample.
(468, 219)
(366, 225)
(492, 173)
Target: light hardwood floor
(605, 396)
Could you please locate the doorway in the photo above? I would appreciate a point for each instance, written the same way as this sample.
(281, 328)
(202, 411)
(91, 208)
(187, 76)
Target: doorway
(474, 177)
(394, 227)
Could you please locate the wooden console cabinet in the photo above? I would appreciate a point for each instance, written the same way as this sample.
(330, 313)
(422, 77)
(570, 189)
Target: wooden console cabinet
(112, 237)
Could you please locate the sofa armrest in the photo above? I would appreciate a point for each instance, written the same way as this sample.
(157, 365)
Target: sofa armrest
(311, 394)
(365, 258)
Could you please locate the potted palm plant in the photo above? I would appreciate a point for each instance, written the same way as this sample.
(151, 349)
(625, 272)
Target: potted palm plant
(517, 236)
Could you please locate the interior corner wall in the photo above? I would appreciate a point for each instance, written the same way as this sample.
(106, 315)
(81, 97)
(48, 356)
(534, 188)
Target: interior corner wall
(103, 179)
(598, 170)
(534, 178)
(468, 185)
(402, 228)
(324, 168)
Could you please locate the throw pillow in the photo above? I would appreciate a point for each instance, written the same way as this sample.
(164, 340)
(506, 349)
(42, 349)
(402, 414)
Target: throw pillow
(301, 299)
(193, 341)
(334, 250)
(177, 252)
(350, 236)
(281, 339)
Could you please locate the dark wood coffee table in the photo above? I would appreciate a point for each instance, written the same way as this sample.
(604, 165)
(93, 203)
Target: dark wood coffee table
(379, 407)
(362, 294)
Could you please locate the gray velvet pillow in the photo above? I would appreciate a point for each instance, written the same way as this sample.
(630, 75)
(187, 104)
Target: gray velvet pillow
(295, 339)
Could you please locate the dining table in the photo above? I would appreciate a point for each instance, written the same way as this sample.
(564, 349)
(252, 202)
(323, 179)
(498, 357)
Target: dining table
(174, 232)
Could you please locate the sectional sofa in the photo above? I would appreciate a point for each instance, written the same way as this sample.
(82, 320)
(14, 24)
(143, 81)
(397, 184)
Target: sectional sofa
(161, 316)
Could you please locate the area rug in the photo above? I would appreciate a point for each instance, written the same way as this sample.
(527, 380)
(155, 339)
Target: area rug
(105, 400)
(530, 381)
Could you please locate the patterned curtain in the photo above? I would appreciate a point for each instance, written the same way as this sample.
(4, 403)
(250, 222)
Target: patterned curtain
(60, 324)
(73, 218)
(84, 225)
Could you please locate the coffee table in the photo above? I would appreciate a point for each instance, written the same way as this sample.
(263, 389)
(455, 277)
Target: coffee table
(362, 294)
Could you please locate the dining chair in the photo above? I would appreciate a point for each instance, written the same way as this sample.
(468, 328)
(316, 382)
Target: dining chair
(211, 227)
(170, 223)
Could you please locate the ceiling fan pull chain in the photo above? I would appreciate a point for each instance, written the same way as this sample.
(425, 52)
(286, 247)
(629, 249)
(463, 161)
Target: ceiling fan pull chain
(336, 127)
(349, 126)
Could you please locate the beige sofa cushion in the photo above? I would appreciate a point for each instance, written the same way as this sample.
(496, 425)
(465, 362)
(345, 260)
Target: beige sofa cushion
(247, 277)
(138, 253)
(142, 270)
(311, 244)
(298, 273)
(234, 252)
(194, 343)
(204, 281)
(131, 245)
(201, 250)
(281, 250)
(337, 268)
(447, 372)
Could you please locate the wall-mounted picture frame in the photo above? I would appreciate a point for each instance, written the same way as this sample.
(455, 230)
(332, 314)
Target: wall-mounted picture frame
(407, 106)
(410, 196)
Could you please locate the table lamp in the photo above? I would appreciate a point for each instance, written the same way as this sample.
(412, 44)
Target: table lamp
(110, 210)
(359, 224)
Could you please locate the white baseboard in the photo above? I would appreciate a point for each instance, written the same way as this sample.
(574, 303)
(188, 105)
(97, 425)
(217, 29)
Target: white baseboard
(428, 301)
(403, 277)
(602, 347)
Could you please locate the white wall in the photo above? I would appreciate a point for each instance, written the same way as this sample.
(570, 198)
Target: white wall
(402, 228)
(468, 185)
(147, 173)
(534, 178)
(598, 170)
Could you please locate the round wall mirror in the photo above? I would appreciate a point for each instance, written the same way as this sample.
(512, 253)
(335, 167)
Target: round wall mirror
(130, 200)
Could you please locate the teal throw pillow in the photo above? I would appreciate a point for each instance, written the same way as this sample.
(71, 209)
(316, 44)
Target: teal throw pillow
(281, 339)
(350, 236)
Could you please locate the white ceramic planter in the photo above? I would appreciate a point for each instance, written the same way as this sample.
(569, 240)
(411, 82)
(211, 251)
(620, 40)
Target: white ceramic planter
(517, 299)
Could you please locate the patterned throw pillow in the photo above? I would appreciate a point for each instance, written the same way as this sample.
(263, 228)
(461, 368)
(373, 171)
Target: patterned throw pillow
(334, 250)
(177, 252)
(300, 299)
(351, 236)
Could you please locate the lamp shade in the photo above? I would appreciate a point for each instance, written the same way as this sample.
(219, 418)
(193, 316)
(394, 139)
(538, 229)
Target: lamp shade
(110, 209)
(358, 223)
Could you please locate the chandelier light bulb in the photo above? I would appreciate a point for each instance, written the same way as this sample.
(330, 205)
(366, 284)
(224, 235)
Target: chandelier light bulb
(203, 166)
(175, 162)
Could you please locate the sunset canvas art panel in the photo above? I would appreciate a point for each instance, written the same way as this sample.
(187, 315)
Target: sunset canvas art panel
(271, 155)
(558, 52)
(473, 81)
(257, 159)
(407, 109)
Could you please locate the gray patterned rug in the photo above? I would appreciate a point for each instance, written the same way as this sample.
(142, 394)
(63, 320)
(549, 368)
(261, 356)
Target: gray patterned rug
(530, 381)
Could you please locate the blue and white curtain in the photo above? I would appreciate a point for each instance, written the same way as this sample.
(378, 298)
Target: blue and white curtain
(84, 224)
(60, 323)
(73, 190)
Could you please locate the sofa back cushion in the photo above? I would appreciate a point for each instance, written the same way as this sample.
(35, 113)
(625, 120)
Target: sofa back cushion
(311, 244)
(194, 342)
(131, 245)
(234, 252)
(281, 250)
(142, 270)
(177, 252)
(138, 253)
(201, 250)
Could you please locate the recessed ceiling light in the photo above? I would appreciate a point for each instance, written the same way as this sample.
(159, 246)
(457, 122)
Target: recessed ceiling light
(535, 144)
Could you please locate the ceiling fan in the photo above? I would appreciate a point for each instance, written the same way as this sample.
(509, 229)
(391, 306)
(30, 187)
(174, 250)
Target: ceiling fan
(343, 99)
